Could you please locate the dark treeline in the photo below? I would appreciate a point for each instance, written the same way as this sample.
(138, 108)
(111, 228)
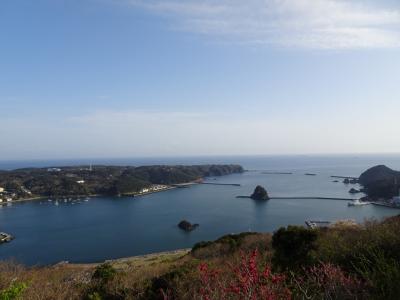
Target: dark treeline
(113, 180)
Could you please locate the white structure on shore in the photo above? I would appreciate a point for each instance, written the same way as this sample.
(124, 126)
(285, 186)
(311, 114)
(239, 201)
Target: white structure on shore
(396, 200)
(1, 190)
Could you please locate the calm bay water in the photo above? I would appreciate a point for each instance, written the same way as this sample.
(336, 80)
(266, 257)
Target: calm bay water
(106, 228)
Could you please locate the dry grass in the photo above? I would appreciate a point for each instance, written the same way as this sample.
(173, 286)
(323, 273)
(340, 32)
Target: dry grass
(72, 281)
(57, 282)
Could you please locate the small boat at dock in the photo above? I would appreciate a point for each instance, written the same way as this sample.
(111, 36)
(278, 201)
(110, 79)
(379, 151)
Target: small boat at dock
(5, 237)
(317, 224)
(357, 203)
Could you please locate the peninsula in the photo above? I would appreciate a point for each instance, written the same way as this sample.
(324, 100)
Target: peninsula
(80, 181)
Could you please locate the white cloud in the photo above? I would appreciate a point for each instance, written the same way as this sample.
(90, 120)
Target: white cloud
(315, 24)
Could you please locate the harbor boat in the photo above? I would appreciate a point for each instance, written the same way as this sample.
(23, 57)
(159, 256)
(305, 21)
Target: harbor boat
(5, 237)
(357, 202)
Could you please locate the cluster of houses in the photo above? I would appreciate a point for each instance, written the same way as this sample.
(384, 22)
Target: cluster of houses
(5, 196)
(153, 188)
(8, 196)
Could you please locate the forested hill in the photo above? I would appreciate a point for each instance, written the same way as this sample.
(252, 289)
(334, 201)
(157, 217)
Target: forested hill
(111, 180)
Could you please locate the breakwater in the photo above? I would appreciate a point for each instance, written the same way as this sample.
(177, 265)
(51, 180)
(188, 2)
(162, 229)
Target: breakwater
(344, 177)
(385, 205)
(277, 173)
(215, 183)
(304, 198)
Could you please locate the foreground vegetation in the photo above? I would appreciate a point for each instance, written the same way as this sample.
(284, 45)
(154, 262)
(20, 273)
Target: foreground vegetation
(346, 261)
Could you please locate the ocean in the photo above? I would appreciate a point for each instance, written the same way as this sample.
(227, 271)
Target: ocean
(108, 228)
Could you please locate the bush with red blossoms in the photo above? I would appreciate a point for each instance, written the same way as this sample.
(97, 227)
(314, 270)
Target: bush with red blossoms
(326, 281)
(246, 281)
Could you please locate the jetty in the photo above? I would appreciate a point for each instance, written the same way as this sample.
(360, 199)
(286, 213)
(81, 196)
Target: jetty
(277, 173)
(344, 177)
(304, 198)
(317, 224)
(184, 185)
(314, 198)
(216, 183)
(385, 205)
(5, 237)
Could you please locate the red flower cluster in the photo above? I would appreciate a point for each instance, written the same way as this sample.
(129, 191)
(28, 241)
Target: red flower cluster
(246, 281)
(327, 281)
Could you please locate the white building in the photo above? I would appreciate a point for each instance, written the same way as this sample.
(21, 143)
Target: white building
(1, 190)
(81, 181)
(396, 200)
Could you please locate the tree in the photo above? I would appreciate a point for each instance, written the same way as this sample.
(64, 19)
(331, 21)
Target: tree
(293, 247)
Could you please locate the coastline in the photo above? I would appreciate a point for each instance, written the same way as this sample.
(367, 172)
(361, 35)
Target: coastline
(133, 194)
(143, 258)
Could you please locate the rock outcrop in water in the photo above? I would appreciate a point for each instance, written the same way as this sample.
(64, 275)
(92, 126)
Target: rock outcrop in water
(187, 226)
(260, 193)
(380, 182)
(354, 191)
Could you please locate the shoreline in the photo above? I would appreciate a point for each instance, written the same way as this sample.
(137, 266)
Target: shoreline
(130, 259)
(125, 195)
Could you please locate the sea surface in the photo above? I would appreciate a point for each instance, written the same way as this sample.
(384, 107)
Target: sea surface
(108, 228)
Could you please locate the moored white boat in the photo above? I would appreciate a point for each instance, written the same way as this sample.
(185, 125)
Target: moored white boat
(357, 203)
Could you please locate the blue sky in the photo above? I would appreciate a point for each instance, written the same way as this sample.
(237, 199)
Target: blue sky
(121, 78)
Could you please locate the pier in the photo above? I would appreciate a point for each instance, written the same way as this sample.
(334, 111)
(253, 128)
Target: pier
(215, 183)
(303, 198)
(314, 198)
(344, 177)
(385, 205)
(277, 173)
(317, 224)
(184, 185)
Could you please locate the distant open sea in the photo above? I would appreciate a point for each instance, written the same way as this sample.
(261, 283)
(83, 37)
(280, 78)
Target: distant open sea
(107, 228)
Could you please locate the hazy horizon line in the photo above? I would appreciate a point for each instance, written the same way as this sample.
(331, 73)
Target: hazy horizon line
(201, 156)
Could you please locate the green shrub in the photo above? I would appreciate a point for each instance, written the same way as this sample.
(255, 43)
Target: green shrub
(381, 272)
(293, 247)
(14, 291)
(200, 245)
(104, 272)
(94, 296)
(172, 283)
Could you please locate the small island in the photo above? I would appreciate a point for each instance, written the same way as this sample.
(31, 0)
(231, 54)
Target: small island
(260, 193)
(354, 191)
(187, 226)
